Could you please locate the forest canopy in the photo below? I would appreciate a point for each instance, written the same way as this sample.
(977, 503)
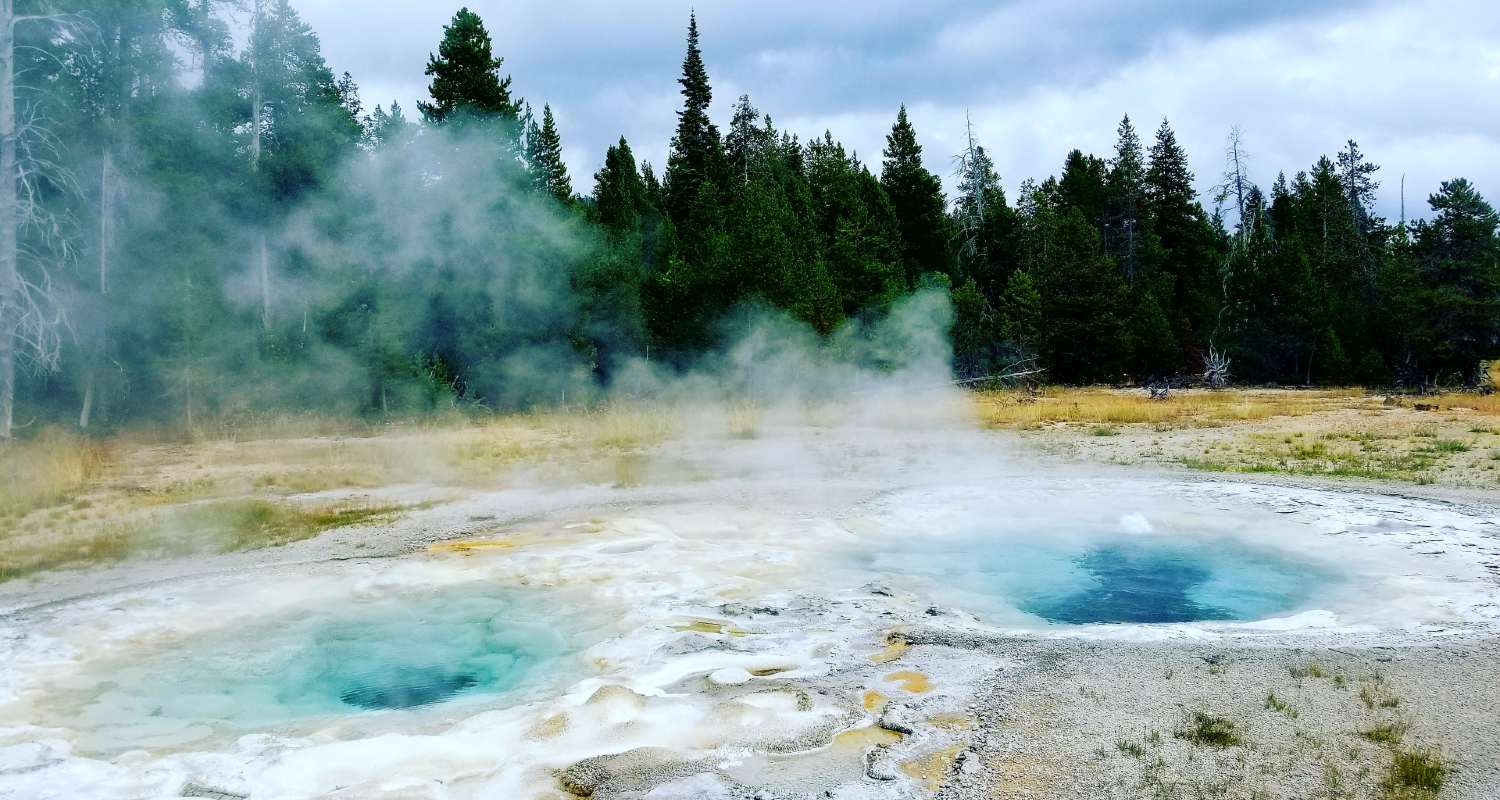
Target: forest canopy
(195, 224)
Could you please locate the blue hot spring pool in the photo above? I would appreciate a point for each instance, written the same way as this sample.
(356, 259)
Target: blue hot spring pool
(403, 651)
(1104, 579)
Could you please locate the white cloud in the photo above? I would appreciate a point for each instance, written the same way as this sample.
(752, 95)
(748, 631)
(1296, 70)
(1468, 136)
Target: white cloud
(1413, 82)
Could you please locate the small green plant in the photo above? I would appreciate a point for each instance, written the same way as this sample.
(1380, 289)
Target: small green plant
(1208, 730)
(1414, 775)
(1310, 670)
(1450, 446)
(1274, 703)
(1375, 695)
(1105, 430)
(1386, 733)
(1132, 749)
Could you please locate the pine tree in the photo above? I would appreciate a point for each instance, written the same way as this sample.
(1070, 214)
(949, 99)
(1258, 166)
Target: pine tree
(976, 337)
(1084, 337)
(544, 161)
(387, 128)
(1357, 175)
(748, 143)
(1188, 262)
(917, 197)
(1082, 186)
(466, 81)
(1459, 262)
(619, 192)
(697, 155)
(1125, 196)
(1021, 314)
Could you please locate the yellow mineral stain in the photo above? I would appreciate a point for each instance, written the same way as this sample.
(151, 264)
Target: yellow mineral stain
(931, 769)
(952, 721)
(892, 651)
(911, 681)
(470, 546)
(551, 727)
(711, 626)
(868, 736)
(874, 701)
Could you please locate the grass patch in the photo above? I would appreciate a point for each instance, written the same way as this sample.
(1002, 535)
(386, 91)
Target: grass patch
(1312, 669)
(1414, 775)
(1195, 408)
(1132, 749)
(231, 525)
(1274, 703)
(1374, 694)
(1207, 730)
(1450, 446)
(209, 527)
(48, 469)
(110, 543)
(1386, 733)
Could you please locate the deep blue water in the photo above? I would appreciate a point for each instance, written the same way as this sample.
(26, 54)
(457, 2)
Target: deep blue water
(397, 652)
(1104, 579)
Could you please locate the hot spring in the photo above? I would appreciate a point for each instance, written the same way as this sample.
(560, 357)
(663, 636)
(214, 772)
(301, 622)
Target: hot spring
(1102, 579)
(393, 654)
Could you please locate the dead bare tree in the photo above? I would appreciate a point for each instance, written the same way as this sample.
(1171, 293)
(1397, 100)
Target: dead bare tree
(976, 181)
(1216, 369)
(33, 240)
(1234, 185)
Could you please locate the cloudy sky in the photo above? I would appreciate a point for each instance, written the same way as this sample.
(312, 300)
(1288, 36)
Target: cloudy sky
(1417, 84)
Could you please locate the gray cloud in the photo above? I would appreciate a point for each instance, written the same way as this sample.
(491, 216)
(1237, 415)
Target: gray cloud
(1412, 81)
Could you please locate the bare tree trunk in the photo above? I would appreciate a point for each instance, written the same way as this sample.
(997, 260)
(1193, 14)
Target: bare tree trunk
(264, 258)
(106, 218)
(86, 412)
(257, 122)
(10, 276)
(106, 234)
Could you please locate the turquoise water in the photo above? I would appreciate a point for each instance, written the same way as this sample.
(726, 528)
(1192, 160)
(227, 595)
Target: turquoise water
(458, 644)
(1106, 579)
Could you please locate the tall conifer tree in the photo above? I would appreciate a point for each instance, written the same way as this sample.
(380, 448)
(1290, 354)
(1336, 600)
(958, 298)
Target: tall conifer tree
(466, 80)
(917, 196)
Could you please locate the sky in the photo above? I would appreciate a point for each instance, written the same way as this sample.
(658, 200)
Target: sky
(1417, 84)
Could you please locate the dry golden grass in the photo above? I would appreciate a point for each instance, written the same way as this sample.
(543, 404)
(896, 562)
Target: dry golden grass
(209, 527)
(617, 426)
(48, 469)
(1487, 404)
(1096, 406)
(744, 419)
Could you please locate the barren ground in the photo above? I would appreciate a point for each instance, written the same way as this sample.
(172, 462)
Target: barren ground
(925, 706)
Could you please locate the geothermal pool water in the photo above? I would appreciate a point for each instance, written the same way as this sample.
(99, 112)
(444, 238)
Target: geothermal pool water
(1106, 578)
(405, 650)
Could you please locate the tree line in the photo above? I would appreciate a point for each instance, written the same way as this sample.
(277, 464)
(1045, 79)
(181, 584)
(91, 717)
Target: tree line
(201, 226)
